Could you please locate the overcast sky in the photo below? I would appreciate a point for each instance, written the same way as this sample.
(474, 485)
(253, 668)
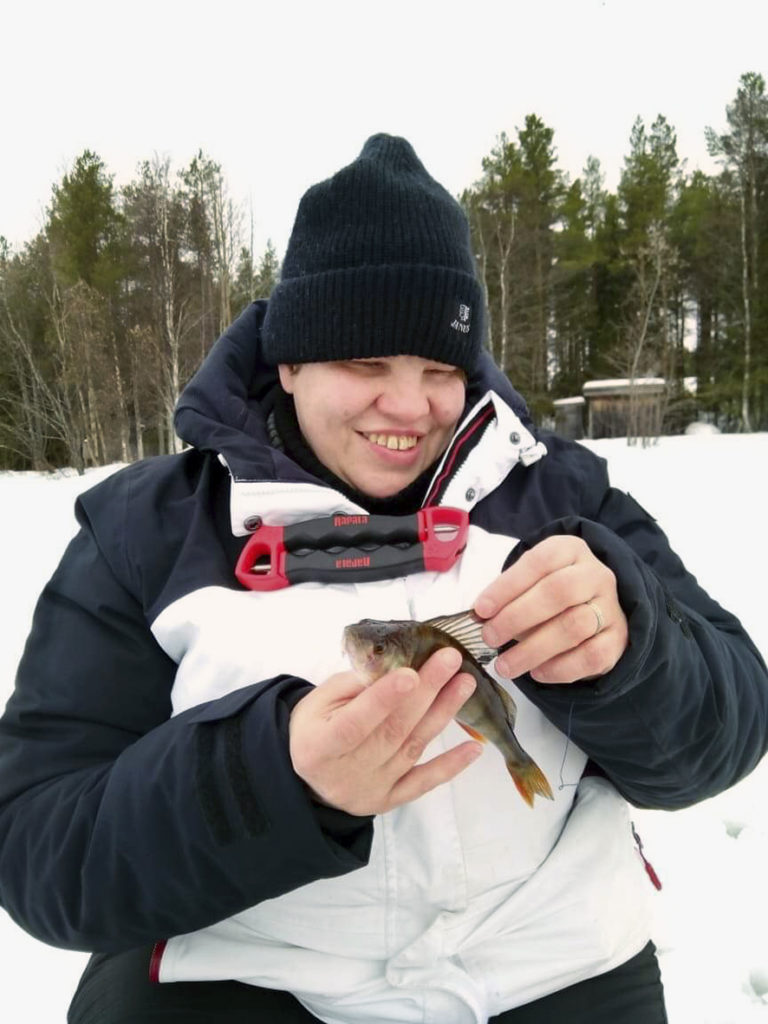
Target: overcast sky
(284, 93)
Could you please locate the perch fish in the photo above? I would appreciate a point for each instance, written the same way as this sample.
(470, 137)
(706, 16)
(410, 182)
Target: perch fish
(376, 646)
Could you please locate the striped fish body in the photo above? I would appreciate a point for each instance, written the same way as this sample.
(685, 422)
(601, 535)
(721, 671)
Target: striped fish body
(376, 646)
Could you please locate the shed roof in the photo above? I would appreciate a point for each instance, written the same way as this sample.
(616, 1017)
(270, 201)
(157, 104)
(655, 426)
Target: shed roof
(620, 386)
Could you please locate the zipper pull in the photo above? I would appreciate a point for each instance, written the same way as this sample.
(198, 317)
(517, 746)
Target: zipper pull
(649, 868)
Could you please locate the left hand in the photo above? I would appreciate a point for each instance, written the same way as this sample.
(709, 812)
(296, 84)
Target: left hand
(560, 602)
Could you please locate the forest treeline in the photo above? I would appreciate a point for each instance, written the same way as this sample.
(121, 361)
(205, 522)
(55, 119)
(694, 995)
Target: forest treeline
(107, 312)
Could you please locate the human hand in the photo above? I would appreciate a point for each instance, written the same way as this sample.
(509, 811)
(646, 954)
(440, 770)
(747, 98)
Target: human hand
(560, 602)
(356, 746)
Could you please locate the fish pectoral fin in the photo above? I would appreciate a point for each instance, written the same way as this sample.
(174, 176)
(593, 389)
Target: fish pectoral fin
(466, 628)
(473, 733)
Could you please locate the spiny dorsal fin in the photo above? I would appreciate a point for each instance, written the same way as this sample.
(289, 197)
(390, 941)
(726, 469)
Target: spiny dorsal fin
(467, 628)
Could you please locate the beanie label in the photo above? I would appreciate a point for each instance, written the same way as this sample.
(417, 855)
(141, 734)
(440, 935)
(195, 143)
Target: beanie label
(461, 322)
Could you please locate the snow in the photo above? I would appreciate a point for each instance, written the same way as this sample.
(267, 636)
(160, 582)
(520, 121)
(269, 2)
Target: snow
(702, 428)
(708, 491)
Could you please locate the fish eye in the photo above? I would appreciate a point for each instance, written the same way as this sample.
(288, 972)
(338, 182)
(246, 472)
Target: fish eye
(378, 648)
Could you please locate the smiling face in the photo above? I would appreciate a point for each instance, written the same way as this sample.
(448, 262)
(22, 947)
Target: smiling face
(376, 423)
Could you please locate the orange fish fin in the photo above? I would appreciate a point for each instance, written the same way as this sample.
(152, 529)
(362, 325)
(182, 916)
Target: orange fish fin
(473, 733)
(530, 781)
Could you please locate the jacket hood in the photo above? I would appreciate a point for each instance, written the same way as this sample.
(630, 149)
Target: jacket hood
(222, 407)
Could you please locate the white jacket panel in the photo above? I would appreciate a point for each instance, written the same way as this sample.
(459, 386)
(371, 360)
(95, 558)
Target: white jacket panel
(471, 901)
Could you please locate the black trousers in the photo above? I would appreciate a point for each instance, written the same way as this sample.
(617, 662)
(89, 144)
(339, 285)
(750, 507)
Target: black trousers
(115, 989)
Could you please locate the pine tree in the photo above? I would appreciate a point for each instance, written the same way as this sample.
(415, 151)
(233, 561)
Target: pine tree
(706, 232)
(213, 228)
(744, 153)
(543, 191)
(573, 299)
(86, 232)
(512, 212)
(254, 282)
(653, 319)
(84, 226)
(268, 271)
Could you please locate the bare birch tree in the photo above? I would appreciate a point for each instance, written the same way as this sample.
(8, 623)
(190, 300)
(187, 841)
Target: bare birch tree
(158, 219)
(216, 234)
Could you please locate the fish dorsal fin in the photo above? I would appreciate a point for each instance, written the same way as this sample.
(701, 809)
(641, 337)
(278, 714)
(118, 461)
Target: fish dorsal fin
(467, 628)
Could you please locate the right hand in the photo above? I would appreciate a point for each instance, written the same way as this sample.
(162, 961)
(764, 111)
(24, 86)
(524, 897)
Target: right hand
(356, 746)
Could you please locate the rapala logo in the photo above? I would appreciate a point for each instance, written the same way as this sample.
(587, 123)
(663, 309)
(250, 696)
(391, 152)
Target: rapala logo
(353, 563)
(350, 520)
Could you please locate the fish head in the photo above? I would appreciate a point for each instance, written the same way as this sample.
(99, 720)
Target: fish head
(375, 647)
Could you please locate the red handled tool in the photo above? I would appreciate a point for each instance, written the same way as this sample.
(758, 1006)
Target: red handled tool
(353, 548)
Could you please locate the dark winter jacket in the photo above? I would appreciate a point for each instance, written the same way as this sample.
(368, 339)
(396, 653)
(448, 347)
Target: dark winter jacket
(120, 824)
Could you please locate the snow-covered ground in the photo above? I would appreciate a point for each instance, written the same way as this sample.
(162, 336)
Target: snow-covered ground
(709, 493)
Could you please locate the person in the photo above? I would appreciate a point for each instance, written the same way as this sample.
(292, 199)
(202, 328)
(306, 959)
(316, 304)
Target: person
(195, 785)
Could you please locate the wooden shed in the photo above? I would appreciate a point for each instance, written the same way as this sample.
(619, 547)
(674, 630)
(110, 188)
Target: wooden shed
(569, 417)
(622, 408)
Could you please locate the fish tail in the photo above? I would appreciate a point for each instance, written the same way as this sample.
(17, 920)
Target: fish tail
(530, 780)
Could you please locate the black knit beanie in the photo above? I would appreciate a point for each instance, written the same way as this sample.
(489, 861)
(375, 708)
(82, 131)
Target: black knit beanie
(379, 263)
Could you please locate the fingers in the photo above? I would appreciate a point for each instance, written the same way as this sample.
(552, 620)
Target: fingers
(563, 589)
(560, 602)
(566, 649)
(356, 713)
(391, 707)
(540, 561)
(440, 712)
(424, 777)
(356, 747)
(588, 661)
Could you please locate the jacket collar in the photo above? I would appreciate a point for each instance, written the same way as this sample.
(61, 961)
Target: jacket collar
(489, 443)
(221, 410)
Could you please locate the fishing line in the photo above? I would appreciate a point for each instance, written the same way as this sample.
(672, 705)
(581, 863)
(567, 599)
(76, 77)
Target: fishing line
(563, 783)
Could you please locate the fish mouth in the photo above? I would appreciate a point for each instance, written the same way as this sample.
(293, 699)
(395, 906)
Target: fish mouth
(348, 645)
(358, 658)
